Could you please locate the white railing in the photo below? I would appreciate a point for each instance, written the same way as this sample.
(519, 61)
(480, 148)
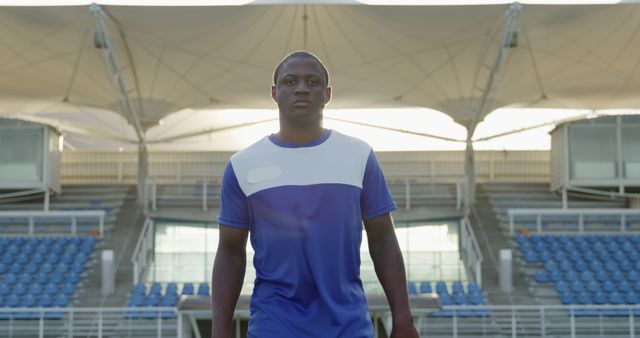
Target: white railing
(459, 195)
(495, 320)
(471, 248)
(88, 322)
(143, 253)
(151, 195)
(535, 321)
(45, 218)
(539, 214)
(196, 192)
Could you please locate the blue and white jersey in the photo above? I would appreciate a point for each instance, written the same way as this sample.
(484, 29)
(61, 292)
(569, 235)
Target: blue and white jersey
(304, 207)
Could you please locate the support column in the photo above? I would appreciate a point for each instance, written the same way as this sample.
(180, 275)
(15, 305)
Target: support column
(143, 172)
(469, 176)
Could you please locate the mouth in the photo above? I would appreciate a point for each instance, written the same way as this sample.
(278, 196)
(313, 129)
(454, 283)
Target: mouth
(301, 103)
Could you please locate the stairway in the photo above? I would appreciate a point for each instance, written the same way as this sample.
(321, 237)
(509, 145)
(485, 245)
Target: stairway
(491, 240)
(122, 240)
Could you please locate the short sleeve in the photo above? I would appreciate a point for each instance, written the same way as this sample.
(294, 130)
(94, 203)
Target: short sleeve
(375, 199)
(234, 210)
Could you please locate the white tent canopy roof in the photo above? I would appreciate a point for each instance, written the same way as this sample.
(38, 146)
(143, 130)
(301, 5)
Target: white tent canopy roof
(220, 57)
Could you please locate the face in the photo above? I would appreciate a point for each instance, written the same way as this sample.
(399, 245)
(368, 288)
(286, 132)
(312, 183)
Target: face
(301, 92)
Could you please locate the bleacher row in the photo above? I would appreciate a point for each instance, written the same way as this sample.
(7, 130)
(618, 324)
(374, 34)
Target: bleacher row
(41, 272)
(587, 269)
(140, 298)
(561, 222)
(472, 297)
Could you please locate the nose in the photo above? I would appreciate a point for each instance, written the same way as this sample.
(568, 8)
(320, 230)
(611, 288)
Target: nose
(301, 87)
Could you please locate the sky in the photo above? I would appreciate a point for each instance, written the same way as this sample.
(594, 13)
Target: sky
(419, 120)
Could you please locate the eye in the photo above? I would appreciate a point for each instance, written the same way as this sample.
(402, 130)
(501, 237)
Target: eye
(313, 82)
(289, 82)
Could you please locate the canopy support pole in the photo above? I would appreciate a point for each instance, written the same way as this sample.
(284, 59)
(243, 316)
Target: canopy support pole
(103, 41)
(508, 41)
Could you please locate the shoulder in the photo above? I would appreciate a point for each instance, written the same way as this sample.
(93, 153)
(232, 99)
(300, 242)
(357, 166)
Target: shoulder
(349, 143)
(250, 152)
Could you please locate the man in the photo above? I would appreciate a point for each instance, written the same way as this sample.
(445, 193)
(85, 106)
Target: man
(304, 194)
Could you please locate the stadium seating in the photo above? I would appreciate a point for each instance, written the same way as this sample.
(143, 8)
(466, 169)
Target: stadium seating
(139, 299)
(28, 279)
(472, 297)
(586, 269)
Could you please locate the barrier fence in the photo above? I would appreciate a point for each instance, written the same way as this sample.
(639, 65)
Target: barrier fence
(29, 222)
(144, 251)
(451, 321)
(573, 220)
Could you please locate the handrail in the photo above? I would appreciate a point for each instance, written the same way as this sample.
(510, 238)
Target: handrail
(514, 320)
(143, 250)
(81, 321)
(472, 248)
(512, 213)
(33, 215)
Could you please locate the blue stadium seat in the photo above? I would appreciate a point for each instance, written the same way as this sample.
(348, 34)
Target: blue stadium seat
(460, 298)
(73, 277)
(152, 299)
(187, 289)
(169, 300)
(441, 288)
(10, 279)
(139, 288)
(46, 300)
(566, 298)
(541, 277)
(41, 278)
(476, 298)
(5, 289)
(68, 289)
(456, 287)
(51, 289)
(473, 287)
(411, 288)
(35, 289)
(156, 288)
(609, 287)
(425, 287)
(61, 300)
(593, 286)
(172, 288)
(19, 289)
(15, 268)
(632, 298)
(203, 289)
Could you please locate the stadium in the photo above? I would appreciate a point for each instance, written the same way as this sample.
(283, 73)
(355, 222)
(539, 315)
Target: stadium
(508, 132)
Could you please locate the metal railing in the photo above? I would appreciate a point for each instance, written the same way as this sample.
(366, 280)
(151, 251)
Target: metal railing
(539, 214)
(197, 192)
(533, 321)
(453, 321)
(471, 248)
(143, 253)
(89, 322)
(36, 220)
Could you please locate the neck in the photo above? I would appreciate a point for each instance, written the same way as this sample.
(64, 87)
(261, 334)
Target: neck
(298, 135)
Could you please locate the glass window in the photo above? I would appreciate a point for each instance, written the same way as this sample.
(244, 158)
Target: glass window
(631, 151)
(21, 153)
(593, 151)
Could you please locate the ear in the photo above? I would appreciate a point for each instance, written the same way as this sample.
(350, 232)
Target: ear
(273, 93)
(327, 95)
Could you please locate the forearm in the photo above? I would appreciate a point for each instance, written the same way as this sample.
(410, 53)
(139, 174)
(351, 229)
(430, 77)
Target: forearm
(227, 280)
(389, 266)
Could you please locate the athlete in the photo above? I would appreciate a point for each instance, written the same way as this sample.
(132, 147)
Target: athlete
(304, 195)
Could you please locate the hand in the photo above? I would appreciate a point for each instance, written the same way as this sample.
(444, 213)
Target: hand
(404, 331)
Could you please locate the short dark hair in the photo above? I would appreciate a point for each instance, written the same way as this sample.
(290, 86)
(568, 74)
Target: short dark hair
(301, 54)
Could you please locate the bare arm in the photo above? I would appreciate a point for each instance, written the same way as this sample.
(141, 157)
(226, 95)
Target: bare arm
(389, 265)
(227, 279)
